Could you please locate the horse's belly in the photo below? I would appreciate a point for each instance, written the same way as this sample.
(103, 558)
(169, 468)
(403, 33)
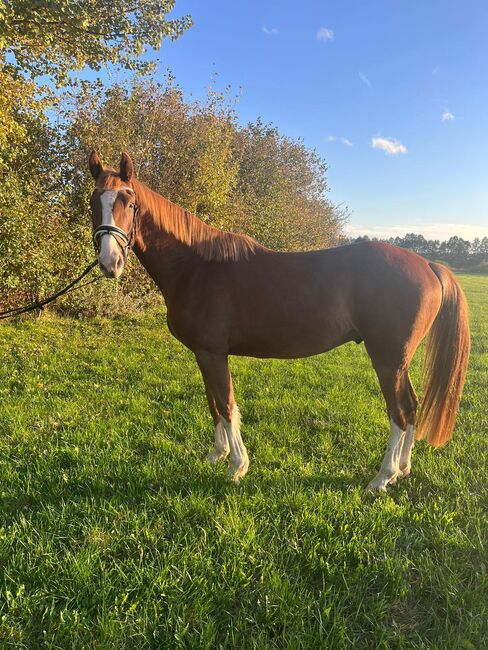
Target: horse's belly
(293, 342)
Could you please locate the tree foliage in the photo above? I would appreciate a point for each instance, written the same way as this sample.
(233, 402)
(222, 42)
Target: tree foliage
(281, 191)
(42, 42)
(54, 37)
(249, 179)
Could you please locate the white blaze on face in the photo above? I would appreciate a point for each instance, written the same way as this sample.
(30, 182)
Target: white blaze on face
(110, 255)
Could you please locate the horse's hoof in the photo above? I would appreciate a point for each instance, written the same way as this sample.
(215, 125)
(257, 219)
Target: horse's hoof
(215, 455)
(403, 473)
(376, 486)
(239, 471)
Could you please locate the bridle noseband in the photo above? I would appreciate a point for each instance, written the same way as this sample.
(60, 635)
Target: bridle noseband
(116, 232)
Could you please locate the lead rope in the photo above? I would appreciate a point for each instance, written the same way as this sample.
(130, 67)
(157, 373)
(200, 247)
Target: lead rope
(39, 304)
(97, 235)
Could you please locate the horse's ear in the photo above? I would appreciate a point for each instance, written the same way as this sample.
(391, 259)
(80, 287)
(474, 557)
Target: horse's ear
(95, 164)
(126, 167)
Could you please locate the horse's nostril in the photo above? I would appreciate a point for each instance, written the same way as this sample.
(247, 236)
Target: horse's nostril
(120, 263)
(106, 272)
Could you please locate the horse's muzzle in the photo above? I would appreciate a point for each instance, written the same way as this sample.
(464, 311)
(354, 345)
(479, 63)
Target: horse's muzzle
(113, 267)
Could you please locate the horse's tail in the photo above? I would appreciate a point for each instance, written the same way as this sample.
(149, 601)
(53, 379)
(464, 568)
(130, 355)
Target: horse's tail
(446, 362)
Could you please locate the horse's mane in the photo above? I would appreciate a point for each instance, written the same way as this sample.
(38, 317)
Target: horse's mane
(208, 242)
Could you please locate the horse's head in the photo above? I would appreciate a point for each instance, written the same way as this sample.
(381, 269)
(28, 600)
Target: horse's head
(114, 213)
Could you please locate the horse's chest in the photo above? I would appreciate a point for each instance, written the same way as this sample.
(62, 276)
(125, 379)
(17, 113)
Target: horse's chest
(197, 330)
(179, 328)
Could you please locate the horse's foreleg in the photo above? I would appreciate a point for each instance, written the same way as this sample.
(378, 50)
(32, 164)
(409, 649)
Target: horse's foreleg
(220, 394)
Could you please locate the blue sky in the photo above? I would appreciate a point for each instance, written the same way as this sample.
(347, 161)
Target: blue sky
(409, 76)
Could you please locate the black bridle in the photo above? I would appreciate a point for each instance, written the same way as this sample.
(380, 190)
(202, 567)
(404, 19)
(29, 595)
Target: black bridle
(117, 233)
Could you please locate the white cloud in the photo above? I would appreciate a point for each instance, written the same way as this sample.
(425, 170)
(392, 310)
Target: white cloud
(364, 79)
(335, 138)
(447, 116)
(270, 31)
(325, 34)
(389, 146)
(440, 231)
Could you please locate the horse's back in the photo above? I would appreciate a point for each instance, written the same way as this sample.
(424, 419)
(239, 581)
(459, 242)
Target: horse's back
(290, 304)
(299, 304)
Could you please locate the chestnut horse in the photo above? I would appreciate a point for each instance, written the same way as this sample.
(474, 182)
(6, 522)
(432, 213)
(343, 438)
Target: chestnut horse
(227, 294)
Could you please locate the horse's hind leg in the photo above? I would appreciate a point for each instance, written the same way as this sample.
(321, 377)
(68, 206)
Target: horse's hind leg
(406, 453)
(401, 406)
(227, 419)
(409, 441)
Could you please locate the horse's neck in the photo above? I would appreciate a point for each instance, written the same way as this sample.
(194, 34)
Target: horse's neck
(166, 259)
(172, 242)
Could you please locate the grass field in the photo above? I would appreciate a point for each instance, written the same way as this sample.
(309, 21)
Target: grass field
(115, 533)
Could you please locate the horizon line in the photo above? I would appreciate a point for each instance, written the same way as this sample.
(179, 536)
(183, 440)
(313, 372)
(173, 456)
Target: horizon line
(440, 231)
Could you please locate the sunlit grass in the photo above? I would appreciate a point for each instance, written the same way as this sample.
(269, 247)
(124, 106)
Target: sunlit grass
(115, 533)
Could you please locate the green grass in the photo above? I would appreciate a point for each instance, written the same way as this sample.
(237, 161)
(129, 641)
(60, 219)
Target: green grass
(115, 533)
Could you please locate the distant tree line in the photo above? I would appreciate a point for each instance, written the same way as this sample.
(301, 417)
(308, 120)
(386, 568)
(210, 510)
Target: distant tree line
(457, 252)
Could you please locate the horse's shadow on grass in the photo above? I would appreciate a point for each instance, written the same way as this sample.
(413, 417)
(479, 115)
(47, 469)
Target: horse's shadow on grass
(134, 490)
(180, 476)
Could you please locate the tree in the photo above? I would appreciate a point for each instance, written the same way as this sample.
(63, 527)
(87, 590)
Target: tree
(456, 250)
(41, 43)
(54, 37)
(252, 180)
(281, 191)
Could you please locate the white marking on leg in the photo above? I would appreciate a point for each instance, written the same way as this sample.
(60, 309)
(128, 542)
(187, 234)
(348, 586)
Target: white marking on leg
(239, 460)
(221, 445)
(390, 467)
(406, 453)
